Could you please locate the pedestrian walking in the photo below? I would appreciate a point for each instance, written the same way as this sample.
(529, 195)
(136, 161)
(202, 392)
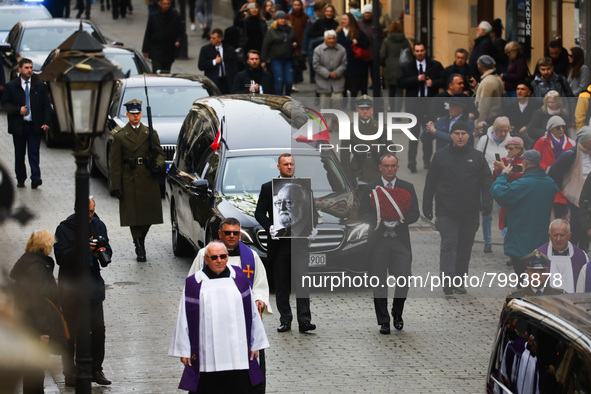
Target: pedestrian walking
(163, 35)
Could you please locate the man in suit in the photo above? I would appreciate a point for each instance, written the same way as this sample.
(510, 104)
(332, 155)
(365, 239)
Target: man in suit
(218, 61)
(135, 166)
(421, 78)
(27, 107)
(287, 257)
(389, 243)
(164, 32)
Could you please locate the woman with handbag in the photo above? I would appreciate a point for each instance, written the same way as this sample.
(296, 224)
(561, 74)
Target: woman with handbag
(36, 299)
(279, 47)
(356, 44)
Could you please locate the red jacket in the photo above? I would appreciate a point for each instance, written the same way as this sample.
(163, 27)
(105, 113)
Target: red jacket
(544, 146)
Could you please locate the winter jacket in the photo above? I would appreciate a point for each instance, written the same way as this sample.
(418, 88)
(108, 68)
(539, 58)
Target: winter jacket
(327, 60)
(278, 43)
(528, 201)
(457, 178)
(390, 51)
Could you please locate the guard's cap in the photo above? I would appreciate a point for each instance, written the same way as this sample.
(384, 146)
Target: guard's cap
(134, 106)
(536, 260)
(364, 102)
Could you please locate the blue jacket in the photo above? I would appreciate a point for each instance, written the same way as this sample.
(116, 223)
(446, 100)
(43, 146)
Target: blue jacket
(528, 201)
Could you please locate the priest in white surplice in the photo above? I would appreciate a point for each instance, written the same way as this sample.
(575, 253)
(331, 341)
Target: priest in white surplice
(219, 331)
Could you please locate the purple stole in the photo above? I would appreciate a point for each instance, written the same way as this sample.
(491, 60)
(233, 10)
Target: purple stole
(247, 262)
(190, 378)
(588, 279)
(578, 260)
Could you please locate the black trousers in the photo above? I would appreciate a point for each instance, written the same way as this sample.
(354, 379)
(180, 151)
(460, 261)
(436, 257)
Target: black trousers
(413, 146)
(164, 67)
(290, 263)
(390, 256)
(71, 313)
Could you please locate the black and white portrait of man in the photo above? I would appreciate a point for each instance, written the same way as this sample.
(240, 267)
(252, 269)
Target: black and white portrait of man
(292, 204)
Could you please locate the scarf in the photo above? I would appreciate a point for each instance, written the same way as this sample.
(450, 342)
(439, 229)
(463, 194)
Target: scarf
(554, 111)
(557, 145)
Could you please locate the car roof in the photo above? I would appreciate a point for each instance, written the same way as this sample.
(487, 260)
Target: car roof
(571, 311)
(245, 114)
(54, 22)
(163, 80)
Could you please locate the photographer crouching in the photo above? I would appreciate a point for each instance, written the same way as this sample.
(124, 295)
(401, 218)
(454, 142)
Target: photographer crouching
(100, 256)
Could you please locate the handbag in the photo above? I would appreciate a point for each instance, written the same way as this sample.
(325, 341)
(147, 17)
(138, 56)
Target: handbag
(405, 56)
(360, 53)
(57, 328)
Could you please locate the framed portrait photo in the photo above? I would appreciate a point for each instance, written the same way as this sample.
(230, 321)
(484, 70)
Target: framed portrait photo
(292, 207)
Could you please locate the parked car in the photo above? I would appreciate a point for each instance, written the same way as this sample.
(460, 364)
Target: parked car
(130, 61)
(12, 13)
(171, 97)
(35, 39)
(543, 345)
(206, 185)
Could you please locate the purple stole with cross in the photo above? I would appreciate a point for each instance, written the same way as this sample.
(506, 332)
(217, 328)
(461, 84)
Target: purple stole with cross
(247, 262)
(190, 378)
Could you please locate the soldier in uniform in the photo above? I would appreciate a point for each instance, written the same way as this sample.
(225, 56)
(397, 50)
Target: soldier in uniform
(135, 164)
(539, 282)
(361, 159)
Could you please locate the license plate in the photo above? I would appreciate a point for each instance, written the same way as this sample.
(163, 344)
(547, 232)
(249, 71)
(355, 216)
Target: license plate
(317, 259)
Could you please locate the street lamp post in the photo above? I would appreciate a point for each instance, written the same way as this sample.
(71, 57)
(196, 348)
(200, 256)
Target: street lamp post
(81, 82)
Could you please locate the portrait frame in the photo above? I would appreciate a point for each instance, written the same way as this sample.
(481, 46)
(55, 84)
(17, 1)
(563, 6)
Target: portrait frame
(301, 206)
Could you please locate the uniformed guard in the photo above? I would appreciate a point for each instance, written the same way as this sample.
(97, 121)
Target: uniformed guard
(361, 159)
(136, 161)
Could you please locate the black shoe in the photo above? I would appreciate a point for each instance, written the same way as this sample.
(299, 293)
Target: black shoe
(398, 322)
(385, 329)
(20, 184)
(487, 248)
(460, 290)
(448, 290)
(307, 326)
(70, 380)
(412, 168)
(35, 183)
(205, 34)
(140, 252)
(99, 378)
(284, 327)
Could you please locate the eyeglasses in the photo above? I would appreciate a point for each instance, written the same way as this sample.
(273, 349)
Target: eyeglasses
(559, 128)
(231, 232)
(280, 203)
(214, 257)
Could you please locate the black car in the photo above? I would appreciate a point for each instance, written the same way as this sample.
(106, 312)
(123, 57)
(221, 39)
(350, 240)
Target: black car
(35, 39)
(11, 13)
(171, 97)
(128, 60)
(214, 176)
(543, 344)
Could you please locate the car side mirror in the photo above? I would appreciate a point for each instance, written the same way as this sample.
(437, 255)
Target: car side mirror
(200, 185)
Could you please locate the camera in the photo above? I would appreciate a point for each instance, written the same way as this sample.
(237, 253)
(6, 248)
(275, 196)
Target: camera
(101, 250)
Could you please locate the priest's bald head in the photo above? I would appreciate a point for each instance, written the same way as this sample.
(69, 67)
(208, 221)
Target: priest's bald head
(216, 256)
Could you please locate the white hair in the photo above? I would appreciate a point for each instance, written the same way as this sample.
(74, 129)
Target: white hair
(487, 27)
(214, 243)
(329, 33)
(558, 222)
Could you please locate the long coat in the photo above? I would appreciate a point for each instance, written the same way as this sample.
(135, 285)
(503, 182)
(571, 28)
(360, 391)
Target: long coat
(390, 51)
(162, 31)
(141, 203)
(327, 60)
